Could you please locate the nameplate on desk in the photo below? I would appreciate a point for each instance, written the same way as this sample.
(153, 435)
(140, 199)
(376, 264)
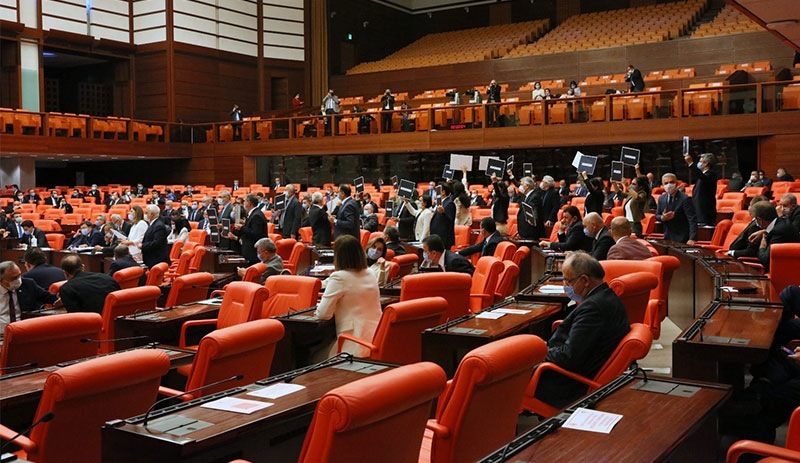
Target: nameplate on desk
(726, 340)
(664, 387)
(177, 425)
(360, 367)
(466, 331)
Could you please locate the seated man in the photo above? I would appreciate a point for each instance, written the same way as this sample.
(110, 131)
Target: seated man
(122, 259)
(571, 236)
(39, 270)
(594, 227)
(19, 294)
(392, 237)
(84, 291)
(369, 221)
(746, 244)
(588, 335)
(490, 239)
(626, 247)
(33, 236)
(87, 236)
(268, 254)
(434, 255)
(777, 230)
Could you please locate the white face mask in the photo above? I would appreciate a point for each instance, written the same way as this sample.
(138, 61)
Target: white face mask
(373, 253)
(670, 187)
(220, 201)
(542, 185)
(14, 285)
(130, 216)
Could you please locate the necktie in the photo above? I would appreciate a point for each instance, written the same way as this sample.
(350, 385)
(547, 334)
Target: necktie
(12, 310)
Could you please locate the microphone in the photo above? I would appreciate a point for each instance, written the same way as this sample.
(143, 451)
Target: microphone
(20, 367)
(44, 419)
(130, 338)
(167, 399)
(318, 366)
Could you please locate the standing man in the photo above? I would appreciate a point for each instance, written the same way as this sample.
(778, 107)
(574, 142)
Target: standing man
(224, 211)
(676, 212)
(387, 106)
(704, 194)
(254, 228)
(634, 77)
(550, 201)
(155, 248)
(292, 214)
(236, 117)
(347, 220)
(330, 106)
(492, 110)
(318, 220)
(529, 229)
(444, 218)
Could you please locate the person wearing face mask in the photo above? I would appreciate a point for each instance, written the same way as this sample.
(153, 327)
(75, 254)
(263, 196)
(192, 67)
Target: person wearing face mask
(347, 220)
(18, 294)
(529, 228)
(594, 193)
(14, 228)
(704, 194)
(762, 175)
(86, 236)
(267, 253)
(436, 256)
(784, 176)
(491, 237)
(224, 211)
(744, 245)
(571, 236)
(370, 221)
(110, 240)
(676, 212)
(179, 227)
(376, 260)
(120, 225)
(423, 214)
(76, 194)
(318, 221)
(94, 193)
(538, 91)
(635, 202)
(500, 200)
(140, 190)
(776, 230)
(31, 197)
(253, 229)
(33, 237)
(291, 216)
(137, 231)
(154, 242)
(754, 180)
(194, 214)
(550, 200)
(53, 200)
(788, 210)
(588, 336)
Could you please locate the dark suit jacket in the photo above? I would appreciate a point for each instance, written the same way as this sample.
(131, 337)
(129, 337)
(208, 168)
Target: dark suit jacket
(573, 240)
(87, 291)
(45, 275)
(454, 262)
(704, 195)
(292, 215)
(28, 199)
(41, 239)
(370, 223)
(444, 224)
(254, 228)
(14, 229)
(347, 219)
(405, 220)
(31, 296)
(525, 229)
(550, 205)
(485, 247)
(320, 226)
(397, 247)
(155, 248)
(782, 232)
(636, 81)
(94, 238)
(500, 204)
(126, 228)
(55, 202)
(120, 264)
(582, 343)
(683, 226)
(594, 197)
(741, 247)
(794, 217)
(602, 244)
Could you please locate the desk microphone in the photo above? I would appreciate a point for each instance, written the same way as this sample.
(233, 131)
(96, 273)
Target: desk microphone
(318, 366)
(20, 367)
(44, 419)
(130, 338)
(167, 399)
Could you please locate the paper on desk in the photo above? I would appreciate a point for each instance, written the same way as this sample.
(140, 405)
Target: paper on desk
(729, 289)
(119, 235)
(324, 267)
(555, 289)
(232, 404)
(489, 315)
(512, 311)
(276, 391)
(591, 420)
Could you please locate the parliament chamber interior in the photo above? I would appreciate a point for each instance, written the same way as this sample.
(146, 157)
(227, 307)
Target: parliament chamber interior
(404, 231)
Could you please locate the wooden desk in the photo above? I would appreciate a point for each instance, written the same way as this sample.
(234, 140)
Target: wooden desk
(94, 261)
(655, 427)
(545, 261)
(526, 274)
(533, 293)
(217, 260)
(447, 344)
(717, 345)
(8, 243)
(275, 433)
(304, 334)
(16, 255)
(163, 325)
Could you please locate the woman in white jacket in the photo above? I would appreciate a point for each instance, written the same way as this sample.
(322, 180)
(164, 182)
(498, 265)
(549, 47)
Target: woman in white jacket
(352, 295)
(423, 215)
(138, 228)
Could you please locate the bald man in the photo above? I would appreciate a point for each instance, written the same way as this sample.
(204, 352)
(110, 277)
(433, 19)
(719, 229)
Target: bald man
(626, 247)
(594, 227)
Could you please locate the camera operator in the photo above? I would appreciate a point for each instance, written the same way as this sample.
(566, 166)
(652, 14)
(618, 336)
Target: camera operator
(492, 110)
(387, 106)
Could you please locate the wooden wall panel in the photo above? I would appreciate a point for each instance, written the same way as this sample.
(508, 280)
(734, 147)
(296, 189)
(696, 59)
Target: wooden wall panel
(779, 151)
(150, 86)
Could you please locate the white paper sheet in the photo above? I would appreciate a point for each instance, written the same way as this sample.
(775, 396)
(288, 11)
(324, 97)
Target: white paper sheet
(555, 289)
(119, 235)
(512, 311)
(489, 315)
(483, 162)
(457, 161)
(591, 420)
(232, 404)
(576, 161)
(276, 391)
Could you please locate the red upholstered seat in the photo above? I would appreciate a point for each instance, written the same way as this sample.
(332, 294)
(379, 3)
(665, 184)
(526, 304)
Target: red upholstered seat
(378, 417)
(521, 254)
(83, 397)
(651, 315)
(398, 336)
(784, 260)
(634, 290)
(484, 283)
(197, 236)
(125, 302)
(128, 277)
(294, 258)
(478, 411)
(505, 250)
(155, 276)
(507, 281)
(454, 287)
(189, 288)
(774, 454)
(50, 340)
(406, 263)
(288, 293)
(253, 273)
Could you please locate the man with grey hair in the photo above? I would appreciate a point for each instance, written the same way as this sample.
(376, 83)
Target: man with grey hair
(595, 228)
(291, 215)
(155, 248)
(787, 209)
(676, 212)
(120, 225)
(777, 230)
(267, 253)
(253, 229)
(626, 247)
(370, 221)
(224, 211)
(704, 194)
(550, 200)
(19, 294)
(529, 228)
(588, 336)
(319, 222)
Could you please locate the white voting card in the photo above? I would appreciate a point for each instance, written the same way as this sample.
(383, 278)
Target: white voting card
(276, 391)
(231, 404)
(591, 420)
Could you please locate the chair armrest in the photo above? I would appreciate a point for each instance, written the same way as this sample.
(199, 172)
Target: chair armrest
(438, 429)
(349, 337)
(6, 434)
(745, 446)
(712, 247)
(556, 324)
(218, 292)
(702, 243)
(169, 392)
(193, 323)
(544, 366)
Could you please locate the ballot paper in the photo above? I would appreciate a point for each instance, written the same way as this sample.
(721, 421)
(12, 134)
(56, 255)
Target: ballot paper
(512, 311)
(276, 391)
(489, 315)
(553, 289)
(584, 419)
(120, 236)
(232, 404)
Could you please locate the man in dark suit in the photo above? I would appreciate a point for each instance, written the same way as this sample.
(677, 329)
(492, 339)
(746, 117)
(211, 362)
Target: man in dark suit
(224, 211)
(387, 106)
(254, 228)
(39, 270)
(493, 110)
(370, 219)
(318, 220)
(490, 239)
(54, 199)
(195, 213)
(140, 190)
(392, 237)
(347, 219)
(155, 248)
(33, 236)
(571, 236)
(14, 225)
(405, 219)
(87, 236)
(777, 230)
(676, 211)
(18, 294)
(437, 256)
(84, 291)
(634, 77)
(588, 336)
(602, 240)
(704, 194)
(291, 215)
(94, 193)
(444, 217)
(529, 228)
(550, 201)
(120, 225)
(788, 210)
(122, 259)
(113, 200)
(31, 197)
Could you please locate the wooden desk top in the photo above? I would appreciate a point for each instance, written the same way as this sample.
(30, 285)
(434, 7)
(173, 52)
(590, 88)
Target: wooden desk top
(171, 314)
(652, 426)
(470, 325)
(737, 325)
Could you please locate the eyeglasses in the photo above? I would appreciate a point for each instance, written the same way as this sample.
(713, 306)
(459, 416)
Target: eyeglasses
(569, 281)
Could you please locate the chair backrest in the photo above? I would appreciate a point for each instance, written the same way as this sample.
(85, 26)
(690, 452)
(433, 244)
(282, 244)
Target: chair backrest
(668, 266)
(720, 231)
(505, 250)
(128, 277)
(394, 270)
(617, 268)
(364, 234)
(784, 260)
(244, 349)
(742, 216)
(398, 336)
(634, 346)
(253, 273)
(175, 250)
(481, 405)
(290, 292)
(84, 396)
(521, 254)
(55, 240)
(284, 248)
(406, 263)
(634, 290)
(452, 286)
(189, 288)
(484, 279)
(461, 233)
(363, 419)
(184, 262)
(306, 234)
(50, 340)
(294, 257)
(241, 303)
(197, 259)
(507, 281)
(197, 236)
(155, 276)
(125, 302)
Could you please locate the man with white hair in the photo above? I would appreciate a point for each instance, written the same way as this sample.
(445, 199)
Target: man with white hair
(595, 228)
(787, 209)
(370, 220)
(704, 193)
(120, 225)
(291, 215)
(530, 228)
(155, 248)
(550, 200)
(676, 212)
(318, 220)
